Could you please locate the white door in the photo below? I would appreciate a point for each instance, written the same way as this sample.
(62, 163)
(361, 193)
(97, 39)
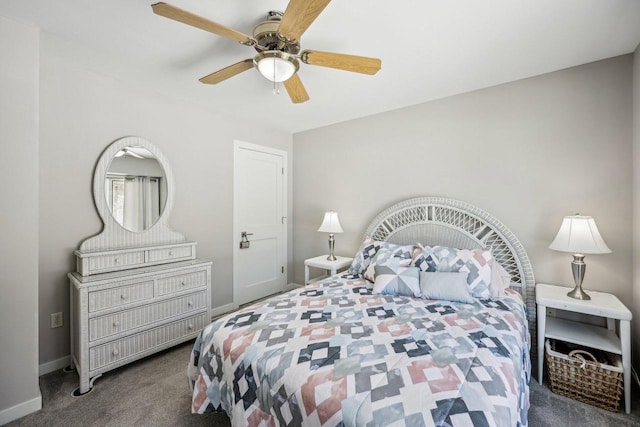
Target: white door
(259, 206)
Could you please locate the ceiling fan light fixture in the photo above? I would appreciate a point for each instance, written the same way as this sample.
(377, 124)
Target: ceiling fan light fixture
(276, 66)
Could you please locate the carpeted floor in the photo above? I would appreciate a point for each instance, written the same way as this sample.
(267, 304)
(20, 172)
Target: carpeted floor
(155, 392)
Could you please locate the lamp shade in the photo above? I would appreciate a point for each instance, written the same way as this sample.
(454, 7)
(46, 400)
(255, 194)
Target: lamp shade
(330, 223)
(579, 234)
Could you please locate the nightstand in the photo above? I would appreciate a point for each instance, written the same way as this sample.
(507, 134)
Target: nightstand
(601, 304)
(322, 262)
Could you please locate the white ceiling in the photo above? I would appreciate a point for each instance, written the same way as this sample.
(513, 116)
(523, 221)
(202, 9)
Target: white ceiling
(430, 49)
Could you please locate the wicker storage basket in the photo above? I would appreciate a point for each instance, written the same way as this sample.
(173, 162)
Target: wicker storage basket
(588, 376)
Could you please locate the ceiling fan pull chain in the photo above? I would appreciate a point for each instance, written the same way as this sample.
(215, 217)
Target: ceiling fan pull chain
(276, 86)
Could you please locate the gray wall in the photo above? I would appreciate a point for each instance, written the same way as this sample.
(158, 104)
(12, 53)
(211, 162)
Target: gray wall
(18, 220)
(81, 114)
(636, 209)
(529, 152)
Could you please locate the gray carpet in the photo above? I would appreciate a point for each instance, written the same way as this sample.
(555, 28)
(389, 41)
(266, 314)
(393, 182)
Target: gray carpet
(155, 392)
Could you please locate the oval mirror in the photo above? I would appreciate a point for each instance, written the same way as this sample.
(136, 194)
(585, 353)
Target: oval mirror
(135, 187)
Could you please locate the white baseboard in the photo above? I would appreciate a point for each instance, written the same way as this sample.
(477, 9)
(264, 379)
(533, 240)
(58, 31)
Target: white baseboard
(223, 309)
(20, 410)
(54, 365)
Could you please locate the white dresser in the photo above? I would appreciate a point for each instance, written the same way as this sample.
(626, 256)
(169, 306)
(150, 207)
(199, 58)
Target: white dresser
(123, 316)
(139, 287)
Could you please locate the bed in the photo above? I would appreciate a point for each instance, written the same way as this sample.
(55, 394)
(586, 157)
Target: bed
(340, 353)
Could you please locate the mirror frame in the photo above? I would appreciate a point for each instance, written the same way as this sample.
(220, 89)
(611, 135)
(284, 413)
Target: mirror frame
(114, 235)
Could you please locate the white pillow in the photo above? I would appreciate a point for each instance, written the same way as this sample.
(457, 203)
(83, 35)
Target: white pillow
(500, 280)
(449, 286)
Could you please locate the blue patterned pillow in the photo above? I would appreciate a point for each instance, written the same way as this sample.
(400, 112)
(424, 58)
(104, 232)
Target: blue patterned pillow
(387, 253)
(476, 262)
(396, 280)
(363, 257)
(424, 258)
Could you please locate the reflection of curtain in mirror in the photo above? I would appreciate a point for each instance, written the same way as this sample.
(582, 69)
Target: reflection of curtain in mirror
(141, 202)
(154, 197)
(134, 203)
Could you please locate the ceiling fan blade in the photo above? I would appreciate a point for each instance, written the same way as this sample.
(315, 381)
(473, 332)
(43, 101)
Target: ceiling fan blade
(132, 154)
(228, 72)
(126, 152)
(356, 64)
(299, 15)
(181, 15)
(296, 90)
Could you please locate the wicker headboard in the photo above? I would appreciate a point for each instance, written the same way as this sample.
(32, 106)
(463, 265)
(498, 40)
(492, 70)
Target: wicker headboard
(449, 222)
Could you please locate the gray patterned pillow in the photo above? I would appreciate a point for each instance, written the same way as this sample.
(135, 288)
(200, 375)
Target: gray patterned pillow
(363, 257)
(385, 254)
(395, 280)
(476, 262)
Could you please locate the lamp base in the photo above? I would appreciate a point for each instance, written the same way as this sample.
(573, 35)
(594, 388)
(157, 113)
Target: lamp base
(578, 293)
(332, 243)
(578, 268)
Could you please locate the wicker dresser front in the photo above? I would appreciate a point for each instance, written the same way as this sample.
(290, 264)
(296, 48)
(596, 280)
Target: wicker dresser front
(122, 316)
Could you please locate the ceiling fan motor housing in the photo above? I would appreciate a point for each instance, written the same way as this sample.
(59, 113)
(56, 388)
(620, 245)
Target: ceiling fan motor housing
(268, 38)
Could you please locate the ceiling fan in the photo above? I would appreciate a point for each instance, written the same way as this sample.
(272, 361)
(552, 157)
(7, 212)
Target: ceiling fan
(128, 152)
(277, 41)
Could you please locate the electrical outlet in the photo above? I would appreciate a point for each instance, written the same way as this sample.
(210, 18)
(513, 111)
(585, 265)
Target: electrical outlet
(551, 312)
(56, 320)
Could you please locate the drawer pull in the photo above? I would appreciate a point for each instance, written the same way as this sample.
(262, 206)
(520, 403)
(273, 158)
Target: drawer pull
(190, 303)
(115, 352)
(190, 326)
(182, 283)
(115, 260)
(123, 297)
(116, 324)
(170, 253)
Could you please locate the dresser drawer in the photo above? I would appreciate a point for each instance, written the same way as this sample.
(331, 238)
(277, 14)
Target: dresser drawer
(105, 326)
(180, 282)
(115, 297)
(168, 254)
(112, 352)
(116, 261)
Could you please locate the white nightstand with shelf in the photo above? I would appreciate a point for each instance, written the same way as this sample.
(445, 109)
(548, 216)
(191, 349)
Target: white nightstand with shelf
(601, 304)
(322, 262)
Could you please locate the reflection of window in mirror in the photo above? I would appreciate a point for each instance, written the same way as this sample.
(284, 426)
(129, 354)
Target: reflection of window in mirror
(134, 201)
(135, 188)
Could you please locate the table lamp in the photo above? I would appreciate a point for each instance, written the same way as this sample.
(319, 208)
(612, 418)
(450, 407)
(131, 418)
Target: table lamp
(579, 235)
(331, 224)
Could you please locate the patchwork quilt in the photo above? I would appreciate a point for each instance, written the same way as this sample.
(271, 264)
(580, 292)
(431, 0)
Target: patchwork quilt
(334, 354)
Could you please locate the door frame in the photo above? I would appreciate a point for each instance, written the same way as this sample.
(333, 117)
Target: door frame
(242, 145)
